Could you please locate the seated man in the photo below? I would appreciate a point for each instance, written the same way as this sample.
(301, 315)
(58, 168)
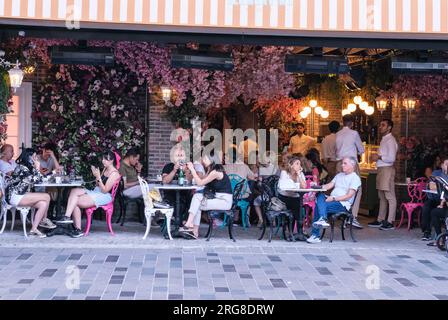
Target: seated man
(130, 169)
(170, 173)
(48, 160)
(7, 165)
(432, 200)
(341, 199)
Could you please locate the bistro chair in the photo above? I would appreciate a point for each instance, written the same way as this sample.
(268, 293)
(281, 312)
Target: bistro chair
(243, 203)
(282, 216)
(309, 204)
(23, 216)
(212, 214)
(151, 209)
(417, 196)
(124, 201)
(345, 217)
(108, 209)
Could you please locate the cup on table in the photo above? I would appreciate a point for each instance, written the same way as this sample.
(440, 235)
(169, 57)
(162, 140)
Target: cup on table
(58, 179)
(159, 177)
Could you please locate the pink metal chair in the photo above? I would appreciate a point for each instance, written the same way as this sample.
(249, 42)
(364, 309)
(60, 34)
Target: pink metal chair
(108, 209)
(417, 196)
(309, 204)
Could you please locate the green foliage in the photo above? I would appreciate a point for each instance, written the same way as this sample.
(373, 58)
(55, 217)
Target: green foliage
(4, 93)
(183, 114)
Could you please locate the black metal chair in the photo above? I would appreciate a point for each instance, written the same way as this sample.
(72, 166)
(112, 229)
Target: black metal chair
(270, 215)
(124, 201)
(345, 217)
(212, 214)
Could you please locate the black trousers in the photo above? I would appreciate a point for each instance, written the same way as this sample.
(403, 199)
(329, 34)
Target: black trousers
(293, 204)
(438, 216)
(428, 206)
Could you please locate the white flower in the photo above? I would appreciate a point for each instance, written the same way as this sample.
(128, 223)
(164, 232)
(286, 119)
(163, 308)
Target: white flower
(74, 83)
(118, 133)
(126, 114)
(96, 88)
(138, 132)
(113, 72)
(60, 144)
(97, 83)
(53, 107)
(134, 89)
(105, 92)
(121, 107)
(42, 99)
(65, 154)
(89, 122)
(116, 84)
(112, 115)
(113, 108)
(81, 103)
(61, 108)
(82, 132)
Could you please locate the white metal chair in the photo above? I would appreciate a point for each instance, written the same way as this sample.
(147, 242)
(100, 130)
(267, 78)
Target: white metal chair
(23, 215)
(150, 209)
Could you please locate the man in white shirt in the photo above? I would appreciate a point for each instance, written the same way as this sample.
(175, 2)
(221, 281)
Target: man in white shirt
(385, 178)
(246, 148)
(7, 166)
(300, 143)
(329, 149)
(344, 185)
(349, 144)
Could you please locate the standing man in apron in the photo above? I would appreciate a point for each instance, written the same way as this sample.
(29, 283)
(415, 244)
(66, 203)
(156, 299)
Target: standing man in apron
(385, 179)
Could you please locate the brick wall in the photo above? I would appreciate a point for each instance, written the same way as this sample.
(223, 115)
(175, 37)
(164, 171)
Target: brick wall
(159, 144)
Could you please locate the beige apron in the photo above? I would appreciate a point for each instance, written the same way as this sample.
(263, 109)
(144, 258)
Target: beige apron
(383, 178)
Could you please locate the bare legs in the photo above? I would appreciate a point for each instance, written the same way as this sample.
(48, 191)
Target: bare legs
(78, 200)
(37, 200)
(191, 225)
(259, 215)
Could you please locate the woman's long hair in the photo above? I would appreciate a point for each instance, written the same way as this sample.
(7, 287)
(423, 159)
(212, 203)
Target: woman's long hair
(213, 165)
(25, 158)
(109, 156)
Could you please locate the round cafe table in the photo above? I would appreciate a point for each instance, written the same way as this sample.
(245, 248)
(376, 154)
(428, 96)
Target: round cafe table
(60, 229)
(302, 192)
(178, 189)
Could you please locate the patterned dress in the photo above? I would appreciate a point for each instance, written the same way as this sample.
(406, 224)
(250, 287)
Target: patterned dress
(21, 181)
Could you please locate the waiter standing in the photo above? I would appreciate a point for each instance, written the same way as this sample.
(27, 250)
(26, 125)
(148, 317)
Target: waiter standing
(385, 179)
(349, 144)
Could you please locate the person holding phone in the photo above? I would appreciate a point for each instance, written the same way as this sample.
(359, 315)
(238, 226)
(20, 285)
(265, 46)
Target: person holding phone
(81, 198)
(18, 191)
(48, 159)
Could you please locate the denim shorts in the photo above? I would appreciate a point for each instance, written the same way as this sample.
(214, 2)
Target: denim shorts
(101, 199)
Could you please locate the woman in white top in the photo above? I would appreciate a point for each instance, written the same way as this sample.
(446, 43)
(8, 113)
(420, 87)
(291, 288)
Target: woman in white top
(293, 177)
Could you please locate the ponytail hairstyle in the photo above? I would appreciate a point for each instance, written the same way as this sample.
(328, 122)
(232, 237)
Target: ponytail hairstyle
(111, 155)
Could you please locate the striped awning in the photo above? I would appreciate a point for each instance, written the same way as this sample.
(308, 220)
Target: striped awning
(418, 17)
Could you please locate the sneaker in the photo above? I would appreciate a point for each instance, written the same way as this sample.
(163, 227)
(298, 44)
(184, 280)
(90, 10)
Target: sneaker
(321, 223)
(37, 234)
(431, 244)
(387, 226)
(426, 236)
(46, 223)
(375, 224)
(76, 233)
(64, 220)
(356, 224)
(313, 239)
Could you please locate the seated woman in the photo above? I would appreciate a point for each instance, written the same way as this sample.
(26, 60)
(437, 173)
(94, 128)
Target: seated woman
(289, 179)
(319, 169)
(81, 198)
(18, 191)
(215, 180)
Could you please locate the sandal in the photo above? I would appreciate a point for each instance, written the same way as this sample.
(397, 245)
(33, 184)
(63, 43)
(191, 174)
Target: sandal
(190, 234)
(38, 234)
(185, 229)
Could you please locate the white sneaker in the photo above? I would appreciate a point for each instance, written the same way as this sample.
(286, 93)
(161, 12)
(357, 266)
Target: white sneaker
(321, 223)
(46, 223)
(313, 239)
(356, 224)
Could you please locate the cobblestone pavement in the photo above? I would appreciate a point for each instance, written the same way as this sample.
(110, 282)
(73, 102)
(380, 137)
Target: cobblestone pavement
(127, 267)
